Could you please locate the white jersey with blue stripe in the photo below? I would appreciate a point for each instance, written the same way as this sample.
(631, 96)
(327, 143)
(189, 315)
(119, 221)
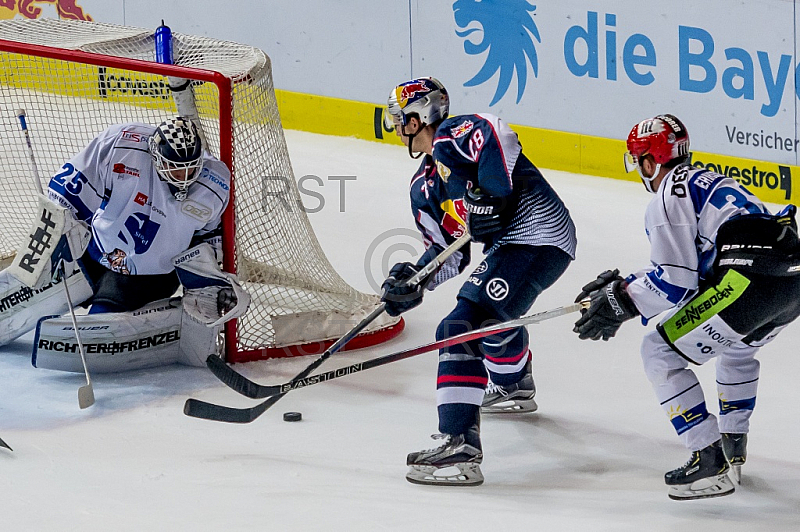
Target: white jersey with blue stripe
(137, 224)
(681, 222)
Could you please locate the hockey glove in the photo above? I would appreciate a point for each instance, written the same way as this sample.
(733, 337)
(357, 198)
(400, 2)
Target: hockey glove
(603, 279)
(399, 296)
(611, 306)
(210, 295)
(484, 221)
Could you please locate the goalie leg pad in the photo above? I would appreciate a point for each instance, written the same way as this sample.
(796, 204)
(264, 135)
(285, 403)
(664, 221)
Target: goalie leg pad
(198, 340)
(113, 342)
(22, 306)
(155, 335)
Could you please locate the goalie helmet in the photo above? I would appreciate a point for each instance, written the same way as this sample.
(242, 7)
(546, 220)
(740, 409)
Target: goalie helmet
(177, 151)
(663, 137)
(425, 97)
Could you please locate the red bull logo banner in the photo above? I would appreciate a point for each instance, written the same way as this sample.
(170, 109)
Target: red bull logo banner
(68, 9)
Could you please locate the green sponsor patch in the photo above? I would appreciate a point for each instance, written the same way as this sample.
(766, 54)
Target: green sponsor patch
(705, 305)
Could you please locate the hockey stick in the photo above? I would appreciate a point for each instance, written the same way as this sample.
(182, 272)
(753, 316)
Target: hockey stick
(86, 392)
(195, 408)
(245, 386)
(4, 444)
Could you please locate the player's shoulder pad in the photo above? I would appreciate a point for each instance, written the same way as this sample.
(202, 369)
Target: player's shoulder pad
(215, 173)
(457, 127)
(690, 186)
(130, 134)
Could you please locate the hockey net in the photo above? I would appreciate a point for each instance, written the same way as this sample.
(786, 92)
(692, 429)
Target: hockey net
(76, 78)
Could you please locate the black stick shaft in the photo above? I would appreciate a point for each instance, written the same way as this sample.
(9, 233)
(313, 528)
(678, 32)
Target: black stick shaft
(214, 412)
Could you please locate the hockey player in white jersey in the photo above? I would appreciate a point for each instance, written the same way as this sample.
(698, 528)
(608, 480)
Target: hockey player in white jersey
(148, 194)
(727, 272)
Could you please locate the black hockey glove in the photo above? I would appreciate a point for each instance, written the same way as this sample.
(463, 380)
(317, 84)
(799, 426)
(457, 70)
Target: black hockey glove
(603, 279)
(399, 296)
(226, 300)
(484, 221)
(611, 306)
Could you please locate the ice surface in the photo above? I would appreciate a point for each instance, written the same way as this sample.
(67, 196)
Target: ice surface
(591, 459)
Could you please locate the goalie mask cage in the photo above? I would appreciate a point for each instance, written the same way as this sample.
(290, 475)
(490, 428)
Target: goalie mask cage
(76, 78)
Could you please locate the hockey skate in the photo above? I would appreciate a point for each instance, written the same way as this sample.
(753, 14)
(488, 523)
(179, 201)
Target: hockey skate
(735, 448)
(454, 463)
(703, 476)
(511, 398)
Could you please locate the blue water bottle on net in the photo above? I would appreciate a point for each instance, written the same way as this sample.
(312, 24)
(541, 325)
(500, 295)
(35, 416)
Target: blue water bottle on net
(163, 37)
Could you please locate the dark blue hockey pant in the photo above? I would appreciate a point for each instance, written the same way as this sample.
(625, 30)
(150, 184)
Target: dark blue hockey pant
(501, 288)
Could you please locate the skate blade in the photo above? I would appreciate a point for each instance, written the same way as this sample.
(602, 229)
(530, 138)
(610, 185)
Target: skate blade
(463, 474)
(512, 406)
(705, 488)
(736, 473)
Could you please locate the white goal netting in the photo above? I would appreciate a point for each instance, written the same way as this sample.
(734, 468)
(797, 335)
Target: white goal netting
(298, 298)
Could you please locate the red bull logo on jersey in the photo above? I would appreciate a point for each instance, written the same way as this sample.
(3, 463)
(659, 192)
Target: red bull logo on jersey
(454, 215)
(462, 129)
(67, 9)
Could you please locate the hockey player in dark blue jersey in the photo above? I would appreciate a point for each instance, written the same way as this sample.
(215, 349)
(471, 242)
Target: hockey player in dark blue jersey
(727, 272)
(474, 176)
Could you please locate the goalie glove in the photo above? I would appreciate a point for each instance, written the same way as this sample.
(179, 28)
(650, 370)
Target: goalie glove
(210, 295)
(55, 236)
(610, 307)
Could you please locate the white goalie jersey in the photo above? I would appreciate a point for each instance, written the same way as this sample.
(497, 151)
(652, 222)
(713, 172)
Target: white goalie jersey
(681, 222)
(137, 224)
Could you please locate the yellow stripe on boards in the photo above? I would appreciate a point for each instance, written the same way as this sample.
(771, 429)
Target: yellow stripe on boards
(557, 150)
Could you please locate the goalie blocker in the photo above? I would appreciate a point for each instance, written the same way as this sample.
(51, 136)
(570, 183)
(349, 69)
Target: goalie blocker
(172, 330)
(55, 236)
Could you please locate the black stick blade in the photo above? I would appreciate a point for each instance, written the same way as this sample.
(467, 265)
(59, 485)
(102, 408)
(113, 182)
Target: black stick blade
(203, 410)
(4, 444)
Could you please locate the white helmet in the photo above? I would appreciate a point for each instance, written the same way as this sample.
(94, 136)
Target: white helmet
(177, 150)
(425, 97)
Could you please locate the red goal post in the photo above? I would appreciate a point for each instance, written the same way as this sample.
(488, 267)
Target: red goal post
(75, 78)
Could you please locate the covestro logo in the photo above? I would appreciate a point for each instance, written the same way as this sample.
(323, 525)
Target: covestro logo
(761, 177)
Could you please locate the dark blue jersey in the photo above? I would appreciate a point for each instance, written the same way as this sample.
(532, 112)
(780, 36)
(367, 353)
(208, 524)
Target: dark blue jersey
(480, 150)
(439, 219)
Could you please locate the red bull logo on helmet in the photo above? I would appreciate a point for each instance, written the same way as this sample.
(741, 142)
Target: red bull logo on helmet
(408, 92)
(67, 9)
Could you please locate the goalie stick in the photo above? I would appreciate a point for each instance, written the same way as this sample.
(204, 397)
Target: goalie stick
(243, 385)
(192, 407)
(85, 392)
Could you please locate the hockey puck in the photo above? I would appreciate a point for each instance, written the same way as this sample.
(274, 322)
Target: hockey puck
(292, 416)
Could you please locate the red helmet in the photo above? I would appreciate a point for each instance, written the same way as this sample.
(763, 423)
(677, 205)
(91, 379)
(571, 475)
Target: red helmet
(664, 137)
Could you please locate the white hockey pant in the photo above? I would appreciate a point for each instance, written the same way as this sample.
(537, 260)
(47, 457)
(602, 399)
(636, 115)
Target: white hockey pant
(680, 393)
